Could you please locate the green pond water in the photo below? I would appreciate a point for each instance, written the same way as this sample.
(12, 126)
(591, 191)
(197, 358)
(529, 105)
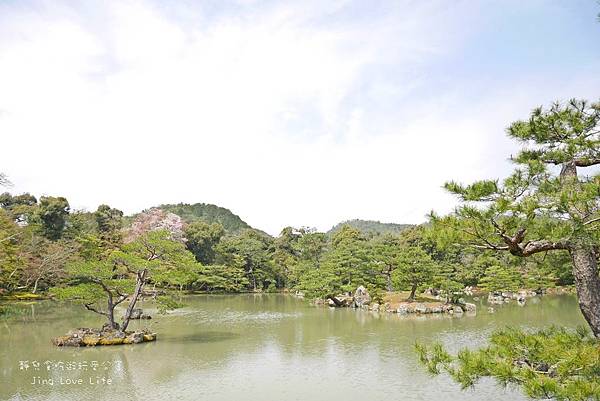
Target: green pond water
(256, 347)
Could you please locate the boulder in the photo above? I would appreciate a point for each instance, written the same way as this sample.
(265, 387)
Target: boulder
(67, 341)
(437, 309)
(470, 307)
(375, 307)
(495, 299)
(421, 308)
(138, 313)
(361, 297)
(136, 337)
(345, 301)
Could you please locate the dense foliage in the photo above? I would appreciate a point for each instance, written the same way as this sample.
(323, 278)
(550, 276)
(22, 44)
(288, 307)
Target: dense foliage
(38, 253)
(371, 227)
(550, 364)
(208, 213)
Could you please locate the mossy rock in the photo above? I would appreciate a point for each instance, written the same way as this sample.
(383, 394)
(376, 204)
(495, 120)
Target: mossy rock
(90, 340)
(111, 341)
(23, 296)
(92, 337)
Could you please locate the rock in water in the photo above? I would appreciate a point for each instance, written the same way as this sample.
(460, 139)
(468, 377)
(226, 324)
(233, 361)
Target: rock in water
(137, 313)
(361, 297)
(94, 337)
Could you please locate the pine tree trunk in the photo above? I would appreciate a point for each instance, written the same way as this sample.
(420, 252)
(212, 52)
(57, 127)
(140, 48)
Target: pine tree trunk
(413, 291)
(388, 277)
(585, 266)
(139, 285)
(390, 287)
(587, 283)
(110, 313)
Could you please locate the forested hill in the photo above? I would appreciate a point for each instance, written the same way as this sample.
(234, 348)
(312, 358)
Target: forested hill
(209, 214)
(371, 227)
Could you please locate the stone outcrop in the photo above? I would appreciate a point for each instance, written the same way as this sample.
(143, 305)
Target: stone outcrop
(362, 300)
(343, 301)
(361, 297)
(505, 297)
(93, 337)
(138, 313)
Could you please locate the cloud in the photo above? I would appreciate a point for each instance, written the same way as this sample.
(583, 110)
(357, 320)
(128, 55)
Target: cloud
(287, 113)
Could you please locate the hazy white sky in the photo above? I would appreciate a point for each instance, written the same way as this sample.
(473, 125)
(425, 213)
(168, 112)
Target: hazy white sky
(288, 113)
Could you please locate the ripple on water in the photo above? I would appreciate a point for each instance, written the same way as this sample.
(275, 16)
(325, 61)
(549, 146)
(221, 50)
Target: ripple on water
(232, 317)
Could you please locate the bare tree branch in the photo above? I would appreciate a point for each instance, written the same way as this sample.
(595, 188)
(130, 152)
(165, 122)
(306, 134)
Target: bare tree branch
(91, 308)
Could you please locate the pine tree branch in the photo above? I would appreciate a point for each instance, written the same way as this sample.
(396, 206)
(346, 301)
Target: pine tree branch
(592, 221)
(91, 308)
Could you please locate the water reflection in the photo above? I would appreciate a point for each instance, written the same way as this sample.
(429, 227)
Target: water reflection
(262, 347)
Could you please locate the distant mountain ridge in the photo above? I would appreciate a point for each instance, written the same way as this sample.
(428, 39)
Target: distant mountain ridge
(208, 213)
(371, 227)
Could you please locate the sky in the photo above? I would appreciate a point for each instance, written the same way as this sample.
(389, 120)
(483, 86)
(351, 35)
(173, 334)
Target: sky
(289, 113)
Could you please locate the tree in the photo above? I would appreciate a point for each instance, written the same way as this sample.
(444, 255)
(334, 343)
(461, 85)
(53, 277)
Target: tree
(251, 251)
(53, 212)
(346, 265)
(546, 205)
(385, 251)
(415, 268)
(10, 262)
(110, 222)
(308, 251)
(202, 238)
(501, 278)
(222, 278)
(45, 260)
(20, 207)
(286, 253)
(125, 273)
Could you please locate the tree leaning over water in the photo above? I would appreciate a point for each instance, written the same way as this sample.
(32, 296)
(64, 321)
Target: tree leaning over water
(548, 204)
(101, 284)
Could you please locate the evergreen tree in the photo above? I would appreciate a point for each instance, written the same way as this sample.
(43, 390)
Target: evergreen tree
(110, 222)
(102, 284)
(501, 278)
(202, 239)
(415, 268)
(547, 204)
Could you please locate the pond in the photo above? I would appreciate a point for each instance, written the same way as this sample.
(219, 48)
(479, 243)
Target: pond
(256, 347)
